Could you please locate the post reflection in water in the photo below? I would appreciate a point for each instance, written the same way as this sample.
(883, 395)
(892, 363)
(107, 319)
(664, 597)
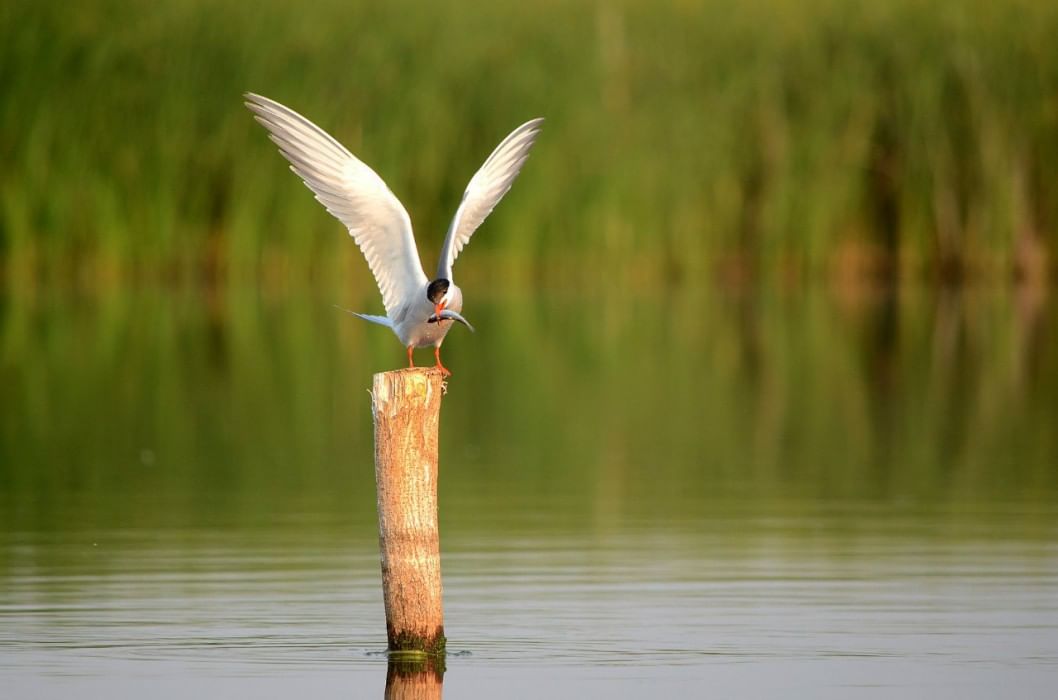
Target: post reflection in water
(415, 679)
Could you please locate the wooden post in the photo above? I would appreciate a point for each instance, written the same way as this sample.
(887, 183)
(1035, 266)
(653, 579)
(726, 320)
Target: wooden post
(406, 405)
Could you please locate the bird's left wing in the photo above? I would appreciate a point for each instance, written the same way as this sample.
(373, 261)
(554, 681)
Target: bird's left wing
(354, 194)
(485, 191)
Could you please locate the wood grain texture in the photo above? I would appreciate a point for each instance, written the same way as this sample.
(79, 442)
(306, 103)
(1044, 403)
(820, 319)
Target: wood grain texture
(406, 405)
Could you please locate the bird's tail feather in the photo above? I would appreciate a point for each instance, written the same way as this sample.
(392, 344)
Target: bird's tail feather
(380, 320)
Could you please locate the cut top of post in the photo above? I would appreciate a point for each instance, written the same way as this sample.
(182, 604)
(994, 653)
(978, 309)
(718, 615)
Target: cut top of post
(417, 387)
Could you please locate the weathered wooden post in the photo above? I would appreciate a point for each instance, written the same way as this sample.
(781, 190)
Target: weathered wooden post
(406, 405)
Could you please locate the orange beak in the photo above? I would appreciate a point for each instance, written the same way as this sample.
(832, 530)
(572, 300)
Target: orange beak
(438, 308)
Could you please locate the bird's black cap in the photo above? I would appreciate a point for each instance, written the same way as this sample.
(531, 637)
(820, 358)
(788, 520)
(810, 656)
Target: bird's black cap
(437, 289)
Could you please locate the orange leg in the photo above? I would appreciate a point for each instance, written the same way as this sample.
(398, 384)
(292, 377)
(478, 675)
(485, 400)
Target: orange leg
(437, 354)
(411, 362)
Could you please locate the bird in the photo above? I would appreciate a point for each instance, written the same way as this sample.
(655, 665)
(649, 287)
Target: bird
(419, 310)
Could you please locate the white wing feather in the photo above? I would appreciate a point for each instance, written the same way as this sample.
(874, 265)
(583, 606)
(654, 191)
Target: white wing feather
(485, 190)
(354, 194)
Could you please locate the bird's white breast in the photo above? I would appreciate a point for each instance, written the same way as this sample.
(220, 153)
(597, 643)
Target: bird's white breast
(413, 327)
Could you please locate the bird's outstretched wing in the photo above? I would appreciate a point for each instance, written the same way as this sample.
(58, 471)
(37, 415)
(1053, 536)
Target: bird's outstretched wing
(485, 190)
(354, 194)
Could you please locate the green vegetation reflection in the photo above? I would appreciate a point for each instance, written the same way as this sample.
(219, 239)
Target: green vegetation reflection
(202, 411)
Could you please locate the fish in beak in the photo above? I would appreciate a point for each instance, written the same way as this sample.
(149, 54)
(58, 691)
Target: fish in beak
(449, 315)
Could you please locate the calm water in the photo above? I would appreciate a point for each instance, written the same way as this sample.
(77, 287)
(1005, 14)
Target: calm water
(796, 494)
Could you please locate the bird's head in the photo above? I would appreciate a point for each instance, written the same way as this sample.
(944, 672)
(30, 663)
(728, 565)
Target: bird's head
(437, 293)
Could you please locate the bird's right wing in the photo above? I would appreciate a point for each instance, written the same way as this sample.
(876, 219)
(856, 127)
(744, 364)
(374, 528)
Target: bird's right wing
(486, 189)
(354, 194)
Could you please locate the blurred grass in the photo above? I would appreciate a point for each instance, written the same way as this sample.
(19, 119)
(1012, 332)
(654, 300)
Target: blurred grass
(878, 140)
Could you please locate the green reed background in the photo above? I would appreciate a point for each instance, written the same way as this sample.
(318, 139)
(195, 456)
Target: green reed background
(753, 138)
